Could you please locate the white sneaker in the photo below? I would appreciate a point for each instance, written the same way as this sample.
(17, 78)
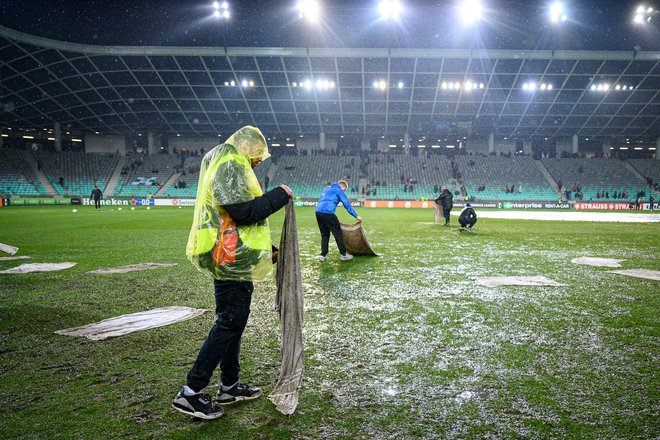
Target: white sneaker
(469, 229)
(323, 258)
(346, 257)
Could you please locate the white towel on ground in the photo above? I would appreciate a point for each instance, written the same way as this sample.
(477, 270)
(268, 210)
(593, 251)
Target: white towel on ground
(38, 267)
(538, 280)
(125, 324)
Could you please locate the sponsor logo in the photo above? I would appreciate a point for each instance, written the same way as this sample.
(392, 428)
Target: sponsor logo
(616, 206)
(142, 202)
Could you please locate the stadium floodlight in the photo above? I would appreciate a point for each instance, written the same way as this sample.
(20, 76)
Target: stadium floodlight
(221, 10)
(470, 11)
(444, 85)
(558, 12)
(643, 14)
(309, 10)
(390, 9)
(400, 84)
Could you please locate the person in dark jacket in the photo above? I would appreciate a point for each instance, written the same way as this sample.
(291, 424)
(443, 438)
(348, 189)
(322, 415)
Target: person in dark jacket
(328, 221)
(97, 195)
(446, 200)
(651, 200)
(229, 239)
(467, 218)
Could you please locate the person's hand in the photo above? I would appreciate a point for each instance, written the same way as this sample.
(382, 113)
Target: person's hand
(359, 219)
(288, 190)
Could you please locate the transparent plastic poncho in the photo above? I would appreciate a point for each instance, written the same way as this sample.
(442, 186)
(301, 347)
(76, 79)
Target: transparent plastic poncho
(216, 244)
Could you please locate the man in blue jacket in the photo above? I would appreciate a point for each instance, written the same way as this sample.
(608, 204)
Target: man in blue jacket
(328, 221)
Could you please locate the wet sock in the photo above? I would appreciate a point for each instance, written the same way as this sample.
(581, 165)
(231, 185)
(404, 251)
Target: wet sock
(187, 391)
(227, 388)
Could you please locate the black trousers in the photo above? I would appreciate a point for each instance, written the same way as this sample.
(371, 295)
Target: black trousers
(468, 223)
(330, 223)
(445, 211)
(223, 344)
(97, 203)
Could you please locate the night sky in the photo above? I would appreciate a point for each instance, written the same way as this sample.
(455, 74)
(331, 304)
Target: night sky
(507, 24)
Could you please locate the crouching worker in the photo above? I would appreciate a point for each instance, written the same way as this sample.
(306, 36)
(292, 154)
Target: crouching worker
(467, 218)
(229, 240)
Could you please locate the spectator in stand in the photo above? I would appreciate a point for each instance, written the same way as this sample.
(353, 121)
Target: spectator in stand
(650, 201)
(506, 188)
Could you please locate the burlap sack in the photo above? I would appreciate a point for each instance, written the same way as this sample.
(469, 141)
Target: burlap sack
(356, 241)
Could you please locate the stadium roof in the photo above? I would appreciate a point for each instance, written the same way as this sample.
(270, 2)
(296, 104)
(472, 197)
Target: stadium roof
(362, 91)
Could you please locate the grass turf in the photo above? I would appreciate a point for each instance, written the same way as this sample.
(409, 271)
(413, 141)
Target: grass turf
(403, 345)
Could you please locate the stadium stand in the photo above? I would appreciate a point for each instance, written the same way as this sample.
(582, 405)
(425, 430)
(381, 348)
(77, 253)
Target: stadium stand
(144, 175)
(493, 174)
(594, 176)
(16, 177)
(370, 176)
(75, 173)
(648, 168)
(407, 177)
(307, 175)
(186, 185)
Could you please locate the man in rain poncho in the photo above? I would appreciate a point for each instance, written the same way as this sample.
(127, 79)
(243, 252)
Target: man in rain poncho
(230, 240)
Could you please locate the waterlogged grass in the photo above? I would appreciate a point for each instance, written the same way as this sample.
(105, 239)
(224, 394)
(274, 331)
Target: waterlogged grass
(400, 346)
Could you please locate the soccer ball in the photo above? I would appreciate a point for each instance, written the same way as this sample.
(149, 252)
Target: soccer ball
(132, 208)
(74, 210)
(118, 209)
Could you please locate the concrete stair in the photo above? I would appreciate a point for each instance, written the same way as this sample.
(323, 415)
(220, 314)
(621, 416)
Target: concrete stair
(549, 178)
(171, 181)
(114, 178)
(32, 165)
(636, 173)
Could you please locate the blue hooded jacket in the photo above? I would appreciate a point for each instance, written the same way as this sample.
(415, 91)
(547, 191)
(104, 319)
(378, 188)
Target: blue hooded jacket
(330, 197)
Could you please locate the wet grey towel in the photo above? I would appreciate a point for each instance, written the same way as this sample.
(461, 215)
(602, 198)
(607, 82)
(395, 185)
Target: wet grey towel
(437, 210)
(289, 304)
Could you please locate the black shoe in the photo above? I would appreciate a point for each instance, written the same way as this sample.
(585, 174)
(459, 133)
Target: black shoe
(198, 405)
(238, 392)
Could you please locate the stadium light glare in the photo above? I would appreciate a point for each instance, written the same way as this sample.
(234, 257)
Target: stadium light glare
(232, 83)
(390, 9)
(444, 85)
(400, 84)
(310, 10)
(643, 14)
(558, 12)
(470, 11)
